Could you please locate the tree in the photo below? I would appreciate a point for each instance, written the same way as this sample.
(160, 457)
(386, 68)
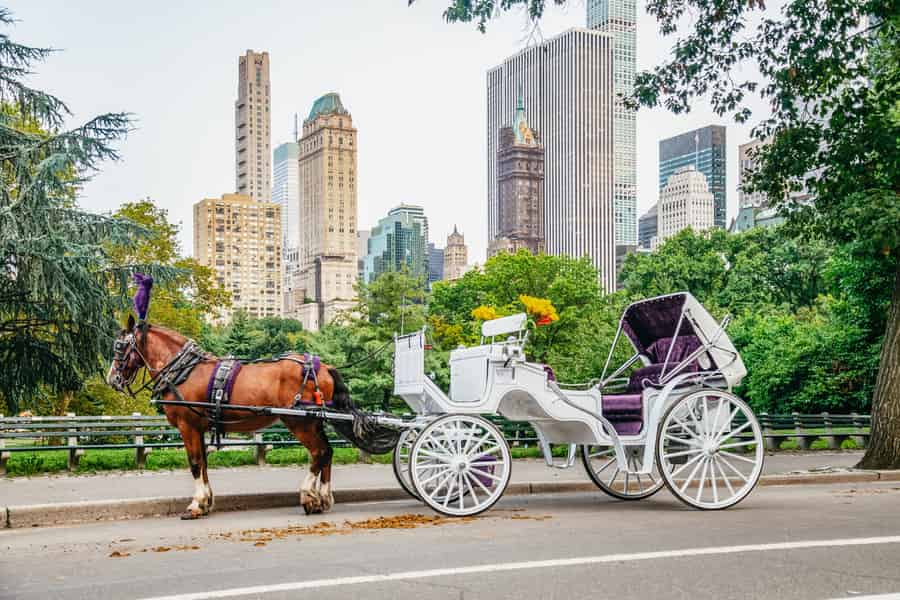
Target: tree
(394, 302)
(56, 305)
(576, 345)
(830, 71)
(192, 295)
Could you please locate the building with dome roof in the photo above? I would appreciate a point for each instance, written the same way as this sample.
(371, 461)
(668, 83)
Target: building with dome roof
(327, 255)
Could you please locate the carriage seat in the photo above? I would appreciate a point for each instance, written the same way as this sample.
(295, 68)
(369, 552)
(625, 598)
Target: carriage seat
(624, 411)
(684, 346)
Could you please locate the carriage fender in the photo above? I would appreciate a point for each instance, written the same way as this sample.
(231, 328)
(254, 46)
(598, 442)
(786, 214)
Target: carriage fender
(661, 403)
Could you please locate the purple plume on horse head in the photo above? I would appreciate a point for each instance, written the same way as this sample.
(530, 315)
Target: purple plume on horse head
(142, 296)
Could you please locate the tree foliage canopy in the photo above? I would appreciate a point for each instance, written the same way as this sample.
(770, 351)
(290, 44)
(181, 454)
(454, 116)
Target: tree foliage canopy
(56, 309)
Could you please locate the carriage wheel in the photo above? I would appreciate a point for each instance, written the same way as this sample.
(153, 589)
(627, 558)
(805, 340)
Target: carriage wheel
(401, 461)
(460, 465)
(709, 449)
(600, 463)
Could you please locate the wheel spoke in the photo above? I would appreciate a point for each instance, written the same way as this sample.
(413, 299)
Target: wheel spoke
(712, 478)
(425, 482)
(613, 478)
(683, 453)
(732, 467)
(738, 444)
(440, 486)
(702, 479)
(731, 434)
(478, 482)
(471, 489)
(706, 423)
(606, 452)
(716, 461)
(683, 441)
(686, 428)
(490, 450)
(738, 456)
(444, 458)
(605, 466)
(686, 465)
(690, 477)
(489, 475)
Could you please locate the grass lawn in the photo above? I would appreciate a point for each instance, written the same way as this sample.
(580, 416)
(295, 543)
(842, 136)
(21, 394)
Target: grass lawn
(54, 461)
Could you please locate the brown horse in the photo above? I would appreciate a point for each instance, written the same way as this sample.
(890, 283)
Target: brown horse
(271, 384)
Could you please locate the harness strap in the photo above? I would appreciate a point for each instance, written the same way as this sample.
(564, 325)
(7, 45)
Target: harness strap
(218, 392)
(311, 365)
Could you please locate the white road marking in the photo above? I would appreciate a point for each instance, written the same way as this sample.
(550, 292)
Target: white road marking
(532, 564)
(875, 597)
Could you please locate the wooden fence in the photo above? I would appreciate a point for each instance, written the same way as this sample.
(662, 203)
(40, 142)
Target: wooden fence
(141, 433)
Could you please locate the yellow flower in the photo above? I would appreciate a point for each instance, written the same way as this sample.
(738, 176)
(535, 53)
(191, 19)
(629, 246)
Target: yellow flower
(540, 308)
(484, 313)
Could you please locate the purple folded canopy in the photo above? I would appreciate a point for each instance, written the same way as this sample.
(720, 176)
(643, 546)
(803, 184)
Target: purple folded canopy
(142, 296)
(650, 320)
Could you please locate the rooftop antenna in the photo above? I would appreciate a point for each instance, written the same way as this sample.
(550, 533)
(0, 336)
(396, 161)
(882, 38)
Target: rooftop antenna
(296, 128)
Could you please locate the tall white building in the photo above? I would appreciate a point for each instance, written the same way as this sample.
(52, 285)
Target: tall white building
(685, 201)
(252, 127)
(286, 191)
(568, 90)
(619, 18)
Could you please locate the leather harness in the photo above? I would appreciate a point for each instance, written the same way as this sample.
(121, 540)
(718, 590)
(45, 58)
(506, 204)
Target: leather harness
(221, 382)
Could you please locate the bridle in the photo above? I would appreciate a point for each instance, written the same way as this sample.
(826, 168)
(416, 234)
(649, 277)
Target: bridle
(123, 351)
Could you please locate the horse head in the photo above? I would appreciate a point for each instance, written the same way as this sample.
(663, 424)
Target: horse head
(129, 350)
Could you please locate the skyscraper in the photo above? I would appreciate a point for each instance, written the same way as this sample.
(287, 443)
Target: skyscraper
(703, 148)
(648, 227)
(398, 242)
(567, 88)
(619, 18)
(328, 211)
(435, 263)
(456, 256)
(286, 191)
(252, 127)
(685, 201)
(520, 180)
(240, 240)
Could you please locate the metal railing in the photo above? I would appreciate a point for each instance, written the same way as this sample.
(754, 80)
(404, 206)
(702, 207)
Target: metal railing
(77, 434)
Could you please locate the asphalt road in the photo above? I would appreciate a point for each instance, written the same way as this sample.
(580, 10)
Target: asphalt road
(788, 542)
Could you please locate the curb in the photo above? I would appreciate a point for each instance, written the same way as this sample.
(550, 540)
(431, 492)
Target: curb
(69, 513)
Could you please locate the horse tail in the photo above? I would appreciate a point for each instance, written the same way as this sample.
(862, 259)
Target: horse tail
(363, 432)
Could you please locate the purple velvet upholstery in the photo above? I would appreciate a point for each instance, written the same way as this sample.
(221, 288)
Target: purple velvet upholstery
(625, 412)
(684, 346)
(551, 376)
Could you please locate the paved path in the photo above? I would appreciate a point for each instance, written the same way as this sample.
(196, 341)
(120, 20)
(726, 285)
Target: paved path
(18, 491)
(791, 542)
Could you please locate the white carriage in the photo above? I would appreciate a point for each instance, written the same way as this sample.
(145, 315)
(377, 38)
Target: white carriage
(671, 421)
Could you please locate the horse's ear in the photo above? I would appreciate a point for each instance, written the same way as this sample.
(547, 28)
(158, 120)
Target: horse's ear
(130, 325)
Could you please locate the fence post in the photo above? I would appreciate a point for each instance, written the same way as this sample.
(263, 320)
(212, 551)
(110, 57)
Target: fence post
(4, 456)
(802, 440)
(72, 442)
(260, 448)
(829, 432)
(861, 439)
(140, 452)
(768, 440)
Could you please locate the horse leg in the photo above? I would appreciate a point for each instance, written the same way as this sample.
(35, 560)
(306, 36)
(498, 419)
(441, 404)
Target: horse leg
(325, 454)
(209, 493)
(196, 452)
(311, 434)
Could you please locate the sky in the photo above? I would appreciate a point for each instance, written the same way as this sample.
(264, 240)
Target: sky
(414, 85)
